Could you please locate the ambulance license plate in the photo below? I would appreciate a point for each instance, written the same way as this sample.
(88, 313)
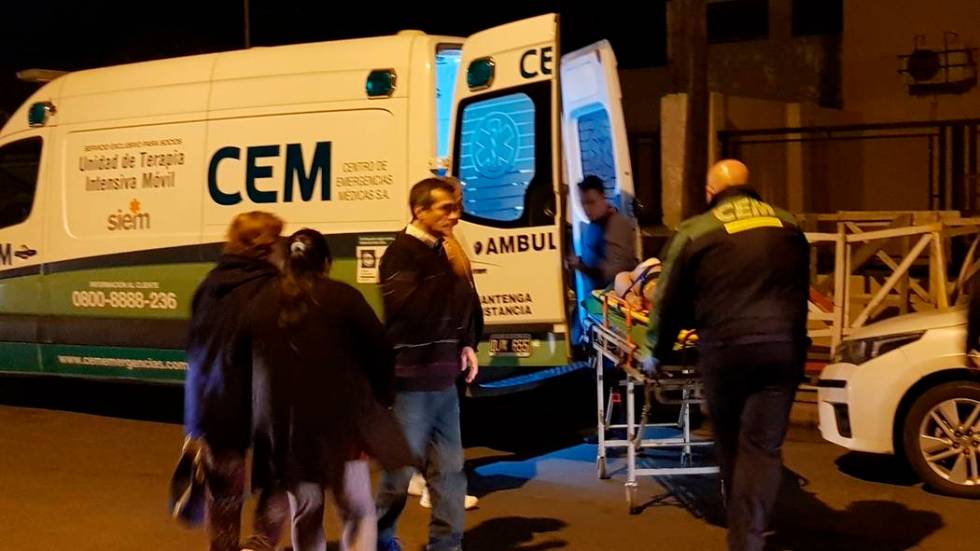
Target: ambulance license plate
(516, 345)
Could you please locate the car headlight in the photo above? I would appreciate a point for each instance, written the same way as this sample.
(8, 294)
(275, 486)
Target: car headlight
(858, 351)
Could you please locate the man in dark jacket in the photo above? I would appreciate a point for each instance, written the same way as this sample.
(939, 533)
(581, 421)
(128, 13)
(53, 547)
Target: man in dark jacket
(218, 388)
(433, 319)
(739, 274)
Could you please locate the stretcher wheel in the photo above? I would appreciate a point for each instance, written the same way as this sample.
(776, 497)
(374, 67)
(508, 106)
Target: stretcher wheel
(600, 466)
(631, 499)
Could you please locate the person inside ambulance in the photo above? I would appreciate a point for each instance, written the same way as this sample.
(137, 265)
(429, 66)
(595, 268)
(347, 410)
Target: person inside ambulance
(607, 243)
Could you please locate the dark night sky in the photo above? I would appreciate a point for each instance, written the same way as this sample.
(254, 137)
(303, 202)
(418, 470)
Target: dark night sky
(76, 35)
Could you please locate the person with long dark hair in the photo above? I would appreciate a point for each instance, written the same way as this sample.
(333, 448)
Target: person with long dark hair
(322, 367)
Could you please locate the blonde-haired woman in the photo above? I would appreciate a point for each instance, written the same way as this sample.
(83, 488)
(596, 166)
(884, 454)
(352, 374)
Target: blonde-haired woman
(218, 388)
(454, 250)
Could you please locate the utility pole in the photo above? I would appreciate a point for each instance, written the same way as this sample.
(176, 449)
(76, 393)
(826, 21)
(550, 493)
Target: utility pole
(247, 19)
(688, 55)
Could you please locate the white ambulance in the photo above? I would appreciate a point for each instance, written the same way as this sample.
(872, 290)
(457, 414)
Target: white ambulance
(117, 184)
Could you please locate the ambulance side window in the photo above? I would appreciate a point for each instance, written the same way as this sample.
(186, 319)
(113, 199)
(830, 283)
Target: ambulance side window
(503, 142)
(447, 70)
(19, 163)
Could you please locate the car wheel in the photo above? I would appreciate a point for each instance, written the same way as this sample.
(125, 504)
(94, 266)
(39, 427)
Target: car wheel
(941, 438)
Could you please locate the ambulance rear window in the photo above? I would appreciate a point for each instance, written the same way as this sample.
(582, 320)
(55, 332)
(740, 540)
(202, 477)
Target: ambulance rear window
(503, 142)
(19, 163)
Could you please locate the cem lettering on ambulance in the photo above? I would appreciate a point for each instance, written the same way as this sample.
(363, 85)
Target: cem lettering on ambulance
(537, 61)
(296, 176)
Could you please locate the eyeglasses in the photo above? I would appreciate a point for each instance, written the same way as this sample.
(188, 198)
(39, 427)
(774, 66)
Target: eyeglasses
(448, 208)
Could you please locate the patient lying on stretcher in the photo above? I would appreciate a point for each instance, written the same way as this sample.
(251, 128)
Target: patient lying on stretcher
(637, 287)
(633, 292)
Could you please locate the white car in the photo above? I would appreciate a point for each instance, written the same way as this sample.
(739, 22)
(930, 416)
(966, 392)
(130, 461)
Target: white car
(904, 386)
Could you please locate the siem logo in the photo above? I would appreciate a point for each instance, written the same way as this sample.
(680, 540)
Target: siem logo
(133, 220)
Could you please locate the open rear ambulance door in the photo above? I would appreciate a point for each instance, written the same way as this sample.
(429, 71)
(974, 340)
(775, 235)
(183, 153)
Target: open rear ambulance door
(506, 153)
(594, 137)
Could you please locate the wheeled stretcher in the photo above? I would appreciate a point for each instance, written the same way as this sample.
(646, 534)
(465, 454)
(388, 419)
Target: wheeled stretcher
(615, 330)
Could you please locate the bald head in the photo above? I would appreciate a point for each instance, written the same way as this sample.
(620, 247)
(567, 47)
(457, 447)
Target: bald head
(725, 174)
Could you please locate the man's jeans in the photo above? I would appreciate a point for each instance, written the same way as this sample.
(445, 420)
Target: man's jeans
(430, 420)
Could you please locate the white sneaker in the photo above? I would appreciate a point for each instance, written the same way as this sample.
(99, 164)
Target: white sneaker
(469, 502)
(417, 485)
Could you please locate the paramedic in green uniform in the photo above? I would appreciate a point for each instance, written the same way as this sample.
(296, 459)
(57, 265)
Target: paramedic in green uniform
(739, 275)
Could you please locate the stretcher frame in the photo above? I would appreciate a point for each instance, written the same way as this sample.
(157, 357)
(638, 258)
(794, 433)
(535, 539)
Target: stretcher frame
(672, 384)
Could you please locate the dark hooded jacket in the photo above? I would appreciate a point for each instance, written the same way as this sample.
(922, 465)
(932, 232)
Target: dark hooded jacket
(218, 387)
(739, 274)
